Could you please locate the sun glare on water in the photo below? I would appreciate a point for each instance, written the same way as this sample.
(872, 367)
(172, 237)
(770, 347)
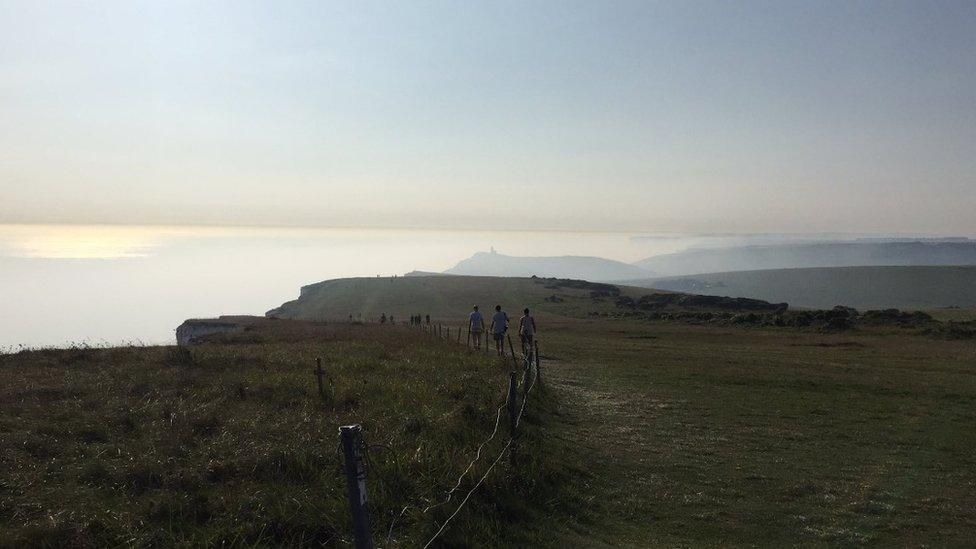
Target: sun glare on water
(78, 242)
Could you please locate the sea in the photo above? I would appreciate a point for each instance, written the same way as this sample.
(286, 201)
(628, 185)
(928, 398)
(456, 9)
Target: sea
(106, 285)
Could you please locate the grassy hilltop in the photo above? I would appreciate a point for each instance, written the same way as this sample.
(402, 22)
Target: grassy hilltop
(651, 431)
(446, 297)
(717, 434)
(230, 443)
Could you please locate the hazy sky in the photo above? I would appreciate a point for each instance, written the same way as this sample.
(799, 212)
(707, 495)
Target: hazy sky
(677, 116)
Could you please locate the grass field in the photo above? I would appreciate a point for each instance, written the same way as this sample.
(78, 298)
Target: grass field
(724, 435)
(232, 445)
(447, 298)
(910, 288)
(646, 434)
(710, 436)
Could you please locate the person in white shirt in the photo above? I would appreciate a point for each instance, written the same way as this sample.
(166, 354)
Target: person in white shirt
(476, 325)
(499, 325)
(526, 331)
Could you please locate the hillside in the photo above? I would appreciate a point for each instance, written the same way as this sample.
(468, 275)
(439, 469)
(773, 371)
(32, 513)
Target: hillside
(858, 287)
(229, 443)
(447, 297)
(808, 255)
(716, 434)
(580, 267)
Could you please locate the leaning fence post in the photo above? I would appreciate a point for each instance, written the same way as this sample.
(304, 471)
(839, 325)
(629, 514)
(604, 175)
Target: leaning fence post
(352, 446)
(319, 372)
(538, 363)
(512, 349)
(512, 398)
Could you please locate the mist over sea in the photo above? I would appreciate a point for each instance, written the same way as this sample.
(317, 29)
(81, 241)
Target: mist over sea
(109, 285)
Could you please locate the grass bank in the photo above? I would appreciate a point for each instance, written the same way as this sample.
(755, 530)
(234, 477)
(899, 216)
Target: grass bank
(232, 445)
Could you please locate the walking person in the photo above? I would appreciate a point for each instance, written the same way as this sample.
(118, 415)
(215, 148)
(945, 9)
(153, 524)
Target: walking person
(476, 325)
(499, 325)
(526, 330)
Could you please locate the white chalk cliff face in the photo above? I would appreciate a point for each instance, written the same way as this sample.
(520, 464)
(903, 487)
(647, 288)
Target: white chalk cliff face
(193, 329)
(586, 268)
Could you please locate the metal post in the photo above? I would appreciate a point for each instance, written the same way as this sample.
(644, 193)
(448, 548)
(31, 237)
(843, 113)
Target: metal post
(319, 372)
(352, 446)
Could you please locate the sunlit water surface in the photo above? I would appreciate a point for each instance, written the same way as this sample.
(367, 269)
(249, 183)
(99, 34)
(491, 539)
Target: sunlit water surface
(106, 285)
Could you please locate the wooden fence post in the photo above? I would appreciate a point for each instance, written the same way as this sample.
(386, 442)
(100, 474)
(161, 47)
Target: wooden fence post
(352, 446)
(459, 336)
(538, 363)
(319, 372)
(512, 400)
(512, 349)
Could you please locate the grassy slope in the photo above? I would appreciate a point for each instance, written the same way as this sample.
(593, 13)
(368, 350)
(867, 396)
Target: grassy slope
(445, 297)
(138, 446)
(859, 287)
(710, 436)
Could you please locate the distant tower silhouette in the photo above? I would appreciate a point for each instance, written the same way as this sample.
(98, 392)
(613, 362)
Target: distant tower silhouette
(493, 250)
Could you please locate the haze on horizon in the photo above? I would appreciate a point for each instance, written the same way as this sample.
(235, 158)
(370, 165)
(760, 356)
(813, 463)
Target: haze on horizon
(636, 116)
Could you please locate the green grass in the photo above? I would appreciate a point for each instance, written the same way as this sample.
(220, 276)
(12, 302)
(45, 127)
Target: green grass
(232, 445)
(927, 287)
(717, 435)
(445, 298)
(711, 436)
(644, 434)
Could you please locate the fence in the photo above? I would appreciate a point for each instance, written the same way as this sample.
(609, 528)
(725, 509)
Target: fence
(356, 456)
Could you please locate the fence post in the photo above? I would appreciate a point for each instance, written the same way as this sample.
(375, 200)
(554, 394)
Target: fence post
(538, 363)
(512, 349)
(319, 372)
(352, 446)
(512, 399)
(459, 336)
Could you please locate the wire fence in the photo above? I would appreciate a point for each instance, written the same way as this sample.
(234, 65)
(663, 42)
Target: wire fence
(356, 450)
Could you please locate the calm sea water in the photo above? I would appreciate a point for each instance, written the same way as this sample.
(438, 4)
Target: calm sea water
(106, 285)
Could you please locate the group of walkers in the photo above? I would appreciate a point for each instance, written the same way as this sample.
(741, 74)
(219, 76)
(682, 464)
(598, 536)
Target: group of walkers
(417, 320)
(499, 327)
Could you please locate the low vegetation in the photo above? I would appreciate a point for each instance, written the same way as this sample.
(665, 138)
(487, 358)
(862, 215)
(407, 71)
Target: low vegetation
(917, 287)
(647, 432)
(711, 435)
(229, 443)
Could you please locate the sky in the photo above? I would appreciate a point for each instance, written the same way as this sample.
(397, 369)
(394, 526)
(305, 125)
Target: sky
(682, 116)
